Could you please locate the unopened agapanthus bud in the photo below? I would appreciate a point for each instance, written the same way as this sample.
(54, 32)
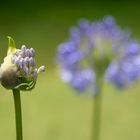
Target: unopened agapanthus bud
(18, 70)
(23, 50)
(32, 52)
(41, 69)
(27, 60)
(27, 53)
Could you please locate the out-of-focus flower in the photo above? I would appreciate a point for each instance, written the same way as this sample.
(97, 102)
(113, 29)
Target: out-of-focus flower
(19, 71)
(96, 49)
(127, 69)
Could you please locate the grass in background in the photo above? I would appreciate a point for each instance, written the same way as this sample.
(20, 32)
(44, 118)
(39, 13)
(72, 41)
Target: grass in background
(52, 111)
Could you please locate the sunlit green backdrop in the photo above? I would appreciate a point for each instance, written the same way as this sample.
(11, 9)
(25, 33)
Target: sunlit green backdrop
(52, 111)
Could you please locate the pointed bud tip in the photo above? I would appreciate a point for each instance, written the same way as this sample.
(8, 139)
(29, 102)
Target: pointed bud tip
(11, 45)
(11, 41)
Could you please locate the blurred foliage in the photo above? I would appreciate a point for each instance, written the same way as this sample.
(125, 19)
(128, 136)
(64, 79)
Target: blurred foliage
(45, 24)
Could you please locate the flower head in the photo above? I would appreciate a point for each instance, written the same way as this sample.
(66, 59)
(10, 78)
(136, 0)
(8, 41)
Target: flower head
(126, 70)
(19, 71)
(99, 49)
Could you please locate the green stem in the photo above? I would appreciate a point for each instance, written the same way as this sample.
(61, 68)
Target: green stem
(97, 111)
(18, 115)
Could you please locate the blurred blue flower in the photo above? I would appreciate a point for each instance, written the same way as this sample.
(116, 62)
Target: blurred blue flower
(96, 49)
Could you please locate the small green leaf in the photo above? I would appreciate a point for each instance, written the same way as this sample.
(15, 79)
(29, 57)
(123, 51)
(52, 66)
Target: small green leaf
(26, 86)
(21, 85)
(11, 45)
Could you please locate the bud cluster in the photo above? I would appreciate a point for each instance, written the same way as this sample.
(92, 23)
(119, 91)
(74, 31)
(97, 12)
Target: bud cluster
(19, 70)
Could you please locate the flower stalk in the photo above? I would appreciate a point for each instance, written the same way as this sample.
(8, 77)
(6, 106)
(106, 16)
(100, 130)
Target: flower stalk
(97, 111)
(18, 114)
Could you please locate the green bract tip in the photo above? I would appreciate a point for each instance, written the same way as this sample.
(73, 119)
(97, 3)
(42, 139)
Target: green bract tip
(11, 45)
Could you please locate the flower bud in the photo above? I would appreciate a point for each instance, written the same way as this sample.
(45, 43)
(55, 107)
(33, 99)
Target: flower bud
(18, 70)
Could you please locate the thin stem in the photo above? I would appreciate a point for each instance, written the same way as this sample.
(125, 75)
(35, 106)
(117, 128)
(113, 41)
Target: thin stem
(18, 115)
(97, 111)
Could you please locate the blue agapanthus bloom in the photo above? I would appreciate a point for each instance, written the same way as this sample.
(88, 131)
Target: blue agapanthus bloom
(96, 49)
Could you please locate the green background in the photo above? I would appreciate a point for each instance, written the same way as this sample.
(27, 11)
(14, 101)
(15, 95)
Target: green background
(52, 111)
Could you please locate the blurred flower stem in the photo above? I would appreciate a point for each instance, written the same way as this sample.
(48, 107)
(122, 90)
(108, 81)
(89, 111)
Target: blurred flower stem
(18, 114)
(97, 110)
(96, 52)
